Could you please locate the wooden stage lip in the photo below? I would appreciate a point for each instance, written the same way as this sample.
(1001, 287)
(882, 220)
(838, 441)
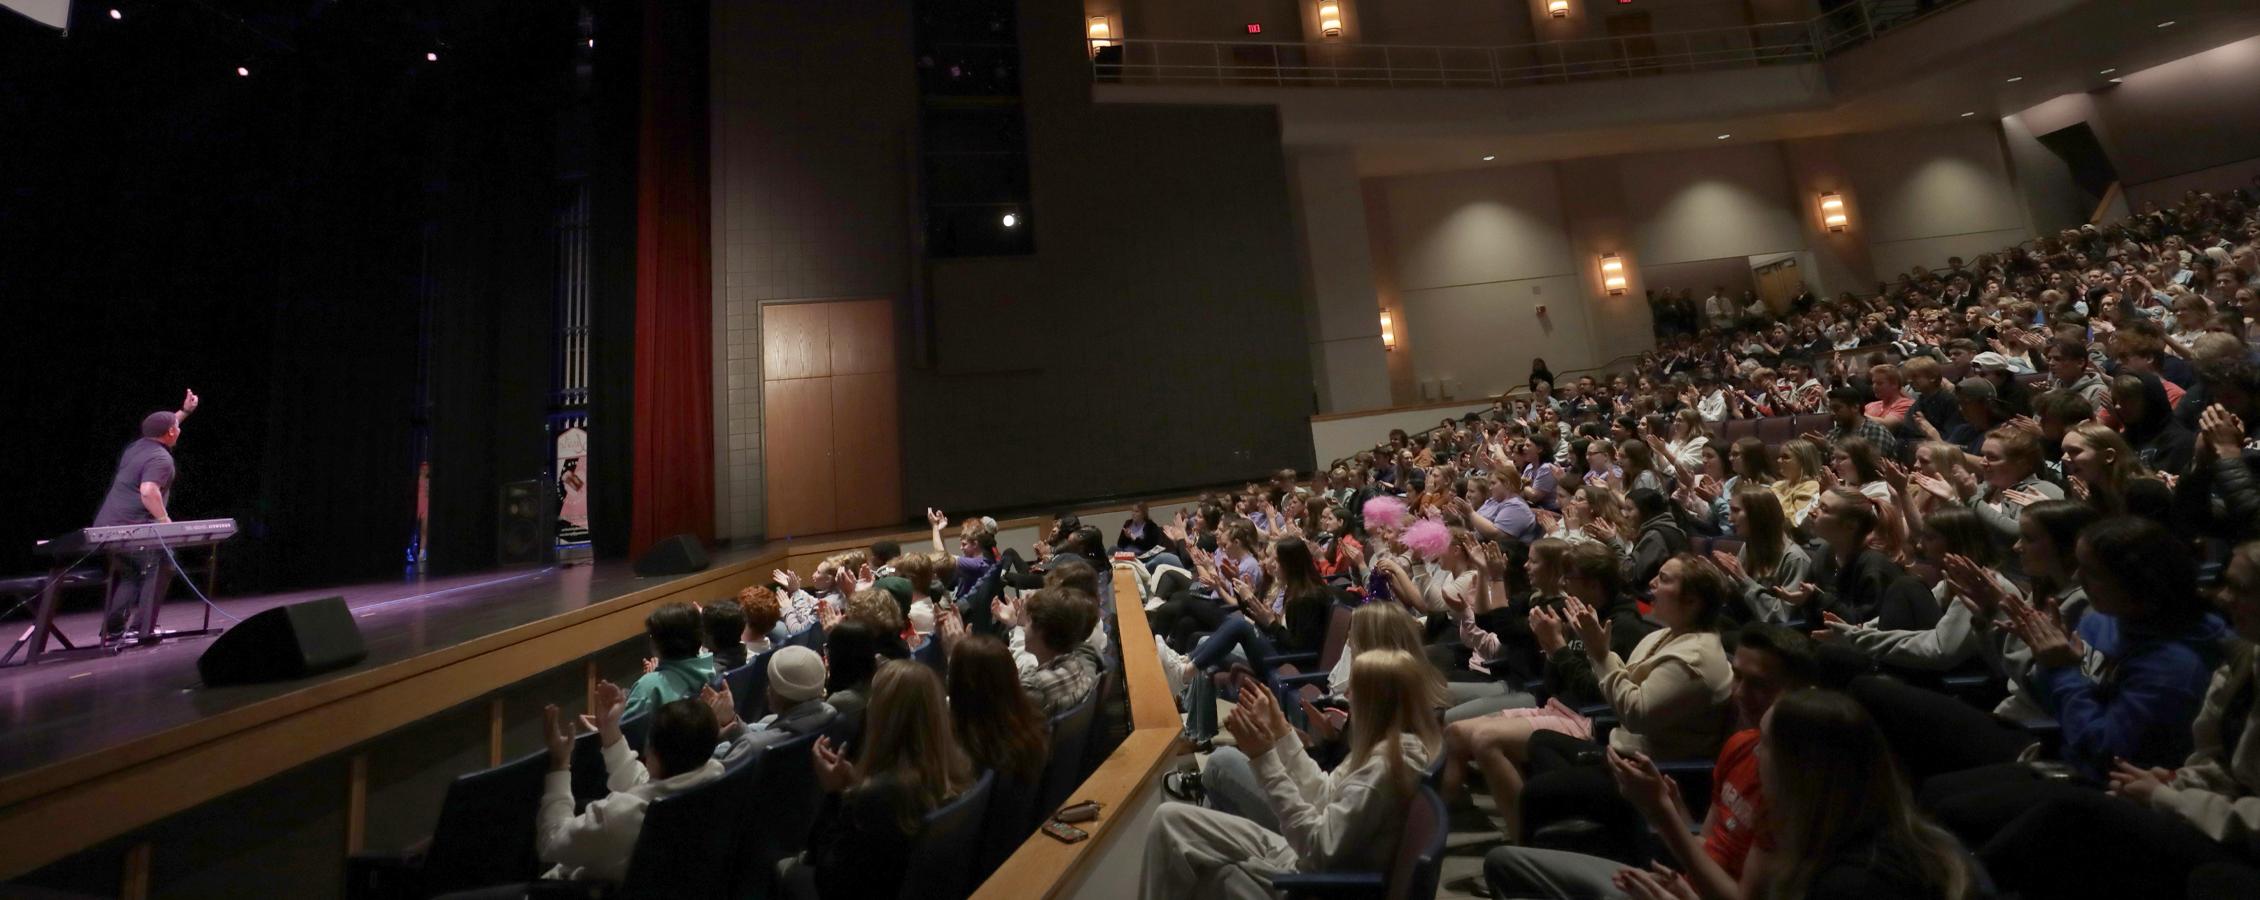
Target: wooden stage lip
(52, 810)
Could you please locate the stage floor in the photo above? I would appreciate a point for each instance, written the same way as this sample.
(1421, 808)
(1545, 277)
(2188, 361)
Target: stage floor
(74, 703)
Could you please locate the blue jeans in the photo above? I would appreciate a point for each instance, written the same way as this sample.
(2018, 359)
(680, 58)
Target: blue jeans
(1237, 633)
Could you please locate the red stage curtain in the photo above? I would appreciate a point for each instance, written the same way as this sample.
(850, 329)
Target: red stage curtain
(674, 412)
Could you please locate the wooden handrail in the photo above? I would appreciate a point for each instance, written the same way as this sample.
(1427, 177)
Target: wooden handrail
(1043, 868)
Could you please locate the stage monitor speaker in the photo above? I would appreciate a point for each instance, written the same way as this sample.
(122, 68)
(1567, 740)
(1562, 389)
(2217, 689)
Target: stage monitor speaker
(285, 642)
(678, 555)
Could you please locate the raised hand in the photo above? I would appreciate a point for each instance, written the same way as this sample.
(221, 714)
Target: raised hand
(1936, 486)
(2051, 643)
(2025, 423)
(722, 703)
(2223, 431)
(188, 402)
(1547, 630)
(1729, 564)
(611, 704)
(1647, 788)
(557, 733)
(1601, 530)
(834, 771)
(865, 578)
(935, 518)
(785, 579)
(2023, 497)
(1590, 629)
(1799, 595)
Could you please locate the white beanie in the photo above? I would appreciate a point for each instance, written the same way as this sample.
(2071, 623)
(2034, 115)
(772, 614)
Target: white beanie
(796, 674)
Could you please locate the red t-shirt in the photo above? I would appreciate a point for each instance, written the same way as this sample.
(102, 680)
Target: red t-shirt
(1737, 804)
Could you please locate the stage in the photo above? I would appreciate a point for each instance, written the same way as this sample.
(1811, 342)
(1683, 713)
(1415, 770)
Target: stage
(74, 703)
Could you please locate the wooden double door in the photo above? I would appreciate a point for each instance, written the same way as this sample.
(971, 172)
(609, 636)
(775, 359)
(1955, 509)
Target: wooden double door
(831, 433)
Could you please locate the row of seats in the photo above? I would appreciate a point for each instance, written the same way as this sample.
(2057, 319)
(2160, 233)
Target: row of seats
(725, 839)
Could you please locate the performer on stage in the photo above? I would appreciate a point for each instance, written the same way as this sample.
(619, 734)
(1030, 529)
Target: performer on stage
(138, 494)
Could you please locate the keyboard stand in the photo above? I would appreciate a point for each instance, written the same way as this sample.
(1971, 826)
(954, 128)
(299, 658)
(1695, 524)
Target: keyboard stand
(33, 641)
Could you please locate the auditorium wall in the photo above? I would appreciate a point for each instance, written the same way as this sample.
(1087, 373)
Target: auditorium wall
(1076, 371)
(1473, 253)
(2167, 129)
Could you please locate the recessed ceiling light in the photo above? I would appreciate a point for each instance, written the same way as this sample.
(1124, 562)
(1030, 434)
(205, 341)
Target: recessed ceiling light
(2108, 71)
(1725, 136)
(114, 14)
(1489, 158)
(2169, 23)
(2118, 81)
(2013, 79)
(1969, 114)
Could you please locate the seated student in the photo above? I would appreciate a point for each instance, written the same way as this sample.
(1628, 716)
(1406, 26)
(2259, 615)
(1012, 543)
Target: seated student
(724, 624)
(908, 764)
(1769, 660)
(796, 700)
(1286, 613)
(677, 756)
(1670, 694)
(997, 724)
(2010, 463)
(879, 608)
(1228, 777)
(763, 617)
(1957, 636)
(1546, 569)
(2157, 824)
(1798, 487)
(1067, 667)
(1839, 821)
(2159, 643)
(852, 653)
(1081, 576)
(1345, 819)
(1660, 538)
(834, 578)
(1862, 583)
(1769, 559)
(679, 671)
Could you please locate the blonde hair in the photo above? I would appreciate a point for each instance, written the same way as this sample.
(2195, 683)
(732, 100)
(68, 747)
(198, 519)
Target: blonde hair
(1393, 693)
(876, 608)
(922, 570)
(907, 734)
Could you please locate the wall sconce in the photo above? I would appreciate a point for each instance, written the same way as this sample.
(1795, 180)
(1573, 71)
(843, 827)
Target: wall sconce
(1330, 19)
(1388, 331)
(1101, 32)
(1833, 216)
(1557, 8)
(1612, 274)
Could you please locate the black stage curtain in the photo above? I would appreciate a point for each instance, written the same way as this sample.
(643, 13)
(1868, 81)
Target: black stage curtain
(269, 241)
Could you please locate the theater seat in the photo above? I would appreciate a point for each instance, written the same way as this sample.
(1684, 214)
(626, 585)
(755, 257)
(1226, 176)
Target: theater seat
(749, 687)
(588, 758)
(1776, 431)
(485, 835)
(1733, 430)
(1412, 875)
(1071, 732)
(784, 780)
(1729, 545)
(685, 848)
(1809, 422)
(939, 866)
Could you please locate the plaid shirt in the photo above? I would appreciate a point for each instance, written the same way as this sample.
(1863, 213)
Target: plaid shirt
(1886, 445)
(1058, 685)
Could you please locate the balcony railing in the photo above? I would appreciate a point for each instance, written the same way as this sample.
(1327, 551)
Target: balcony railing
(1346, 64)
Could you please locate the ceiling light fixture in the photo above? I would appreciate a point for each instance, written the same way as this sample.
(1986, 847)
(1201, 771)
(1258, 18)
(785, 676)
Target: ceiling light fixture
(116, 14)
(1969, 114)
(2108, 71)
(2013, 79)
(2169, 23)
(1724, 136)
(1489, 158)
(2118, 81)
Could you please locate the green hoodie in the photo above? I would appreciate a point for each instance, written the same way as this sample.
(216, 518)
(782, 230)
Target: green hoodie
(674, 679)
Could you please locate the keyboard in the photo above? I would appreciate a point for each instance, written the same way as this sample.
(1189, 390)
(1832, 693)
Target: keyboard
(135, 538)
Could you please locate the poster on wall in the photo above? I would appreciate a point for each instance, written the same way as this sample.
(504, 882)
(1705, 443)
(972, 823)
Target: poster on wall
(573, 485)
